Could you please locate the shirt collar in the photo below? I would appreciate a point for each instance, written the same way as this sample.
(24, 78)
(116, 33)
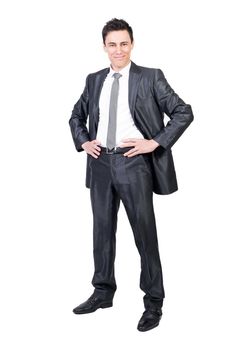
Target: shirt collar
(123, 72)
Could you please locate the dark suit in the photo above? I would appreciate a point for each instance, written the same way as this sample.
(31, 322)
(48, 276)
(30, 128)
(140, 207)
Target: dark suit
(135, 179)
(150, 96)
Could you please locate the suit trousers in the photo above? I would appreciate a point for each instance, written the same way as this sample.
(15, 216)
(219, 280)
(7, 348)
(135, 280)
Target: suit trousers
(114, 178)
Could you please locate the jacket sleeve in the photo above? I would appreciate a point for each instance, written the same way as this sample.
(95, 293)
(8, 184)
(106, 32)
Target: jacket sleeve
(176, 109)
(78, 119)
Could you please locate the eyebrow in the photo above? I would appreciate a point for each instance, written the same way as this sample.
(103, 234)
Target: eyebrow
(122, 42)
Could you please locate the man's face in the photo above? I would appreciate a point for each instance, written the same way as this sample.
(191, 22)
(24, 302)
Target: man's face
(118, 47)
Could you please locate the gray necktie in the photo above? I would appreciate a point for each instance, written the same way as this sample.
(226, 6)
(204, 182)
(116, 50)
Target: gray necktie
(111, 132)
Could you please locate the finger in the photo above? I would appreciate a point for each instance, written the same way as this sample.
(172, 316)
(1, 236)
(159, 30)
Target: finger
(94, 147)
(96, 143)
(94, 155)
(131, 153)
(92, 152)
(95, 151)
(127, 144)
(97, 148)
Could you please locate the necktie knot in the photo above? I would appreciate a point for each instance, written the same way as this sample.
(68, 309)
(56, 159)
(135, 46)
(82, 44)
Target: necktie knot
(117, 75)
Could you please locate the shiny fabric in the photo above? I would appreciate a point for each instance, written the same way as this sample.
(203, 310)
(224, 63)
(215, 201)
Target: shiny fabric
(114, 178)
(150, 96)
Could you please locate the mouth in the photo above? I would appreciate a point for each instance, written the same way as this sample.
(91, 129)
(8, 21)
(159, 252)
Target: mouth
(119, 57)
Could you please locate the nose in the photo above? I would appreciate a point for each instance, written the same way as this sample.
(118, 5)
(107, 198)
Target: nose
(118, 49)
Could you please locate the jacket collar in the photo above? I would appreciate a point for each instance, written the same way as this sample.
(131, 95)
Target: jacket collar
(134, 80)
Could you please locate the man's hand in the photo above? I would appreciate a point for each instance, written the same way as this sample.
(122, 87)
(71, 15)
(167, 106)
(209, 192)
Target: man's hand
(91, 147)
(140, 146)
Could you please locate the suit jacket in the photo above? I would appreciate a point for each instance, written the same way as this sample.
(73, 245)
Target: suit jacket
(150, 96)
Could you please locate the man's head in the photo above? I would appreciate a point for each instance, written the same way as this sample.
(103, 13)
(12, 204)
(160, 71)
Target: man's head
(116, 25)
(118, 42)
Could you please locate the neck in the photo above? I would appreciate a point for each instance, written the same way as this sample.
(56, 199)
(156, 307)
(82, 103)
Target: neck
(117, 68)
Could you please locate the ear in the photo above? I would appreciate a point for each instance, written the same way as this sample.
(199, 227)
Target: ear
(104, 48)
(133, 43)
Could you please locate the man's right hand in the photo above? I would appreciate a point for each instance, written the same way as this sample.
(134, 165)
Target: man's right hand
(91, 147)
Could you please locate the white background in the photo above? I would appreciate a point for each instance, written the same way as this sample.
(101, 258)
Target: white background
(47, 49)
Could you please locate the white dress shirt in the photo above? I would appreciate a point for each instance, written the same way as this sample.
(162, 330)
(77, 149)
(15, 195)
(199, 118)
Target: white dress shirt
(125, 124)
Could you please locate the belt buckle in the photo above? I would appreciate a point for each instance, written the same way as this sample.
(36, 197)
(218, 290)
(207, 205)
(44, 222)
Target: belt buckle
(110, 151)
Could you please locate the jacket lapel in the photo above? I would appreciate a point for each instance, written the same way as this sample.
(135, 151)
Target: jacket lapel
(134, 80)
(97, 92)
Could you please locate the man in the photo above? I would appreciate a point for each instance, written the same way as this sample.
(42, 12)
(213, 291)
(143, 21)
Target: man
(128, 158)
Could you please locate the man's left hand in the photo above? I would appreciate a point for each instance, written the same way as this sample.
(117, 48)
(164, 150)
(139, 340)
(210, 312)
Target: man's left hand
(140, 146)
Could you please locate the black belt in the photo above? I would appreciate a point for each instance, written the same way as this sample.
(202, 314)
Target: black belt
(116, 150)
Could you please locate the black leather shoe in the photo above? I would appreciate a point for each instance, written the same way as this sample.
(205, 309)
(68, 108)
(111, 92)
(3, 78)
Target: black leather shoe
(92, 304)
(149, 320)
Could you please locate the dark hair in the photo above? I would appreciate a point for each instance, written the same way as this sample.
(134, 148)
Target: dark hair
(116, 24)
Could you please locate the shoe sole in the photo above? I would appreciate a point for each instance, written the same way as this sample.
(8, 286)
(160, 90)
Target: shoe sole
(148, 329)
(102, 306)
